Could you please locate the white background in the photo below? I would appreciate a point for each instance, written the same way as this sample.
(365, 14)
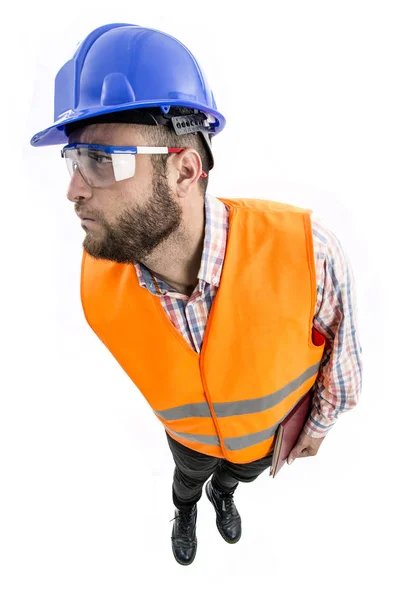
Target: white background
(309, 90)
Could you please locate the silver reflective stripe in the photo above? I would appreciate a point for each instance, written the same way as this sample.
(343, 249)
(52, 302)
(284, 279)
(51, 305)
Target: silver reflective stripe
(247, 407)
(241, 407)
(235, 443)
(251, 439)
(208, 440)
(200, 409)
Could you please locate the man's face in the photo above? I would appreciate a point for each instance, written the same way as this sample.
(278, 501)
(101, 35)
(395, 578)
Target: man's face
(131, 217)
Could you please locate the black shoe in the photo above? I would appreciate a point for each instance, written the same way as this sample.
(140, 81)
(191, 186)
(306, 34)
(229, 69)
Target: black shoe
(184, 541)
(228, 519)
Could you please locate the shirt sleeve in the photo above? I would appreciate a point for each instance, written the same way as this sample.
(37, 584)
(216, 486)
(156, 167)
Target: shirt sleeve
(339, 383)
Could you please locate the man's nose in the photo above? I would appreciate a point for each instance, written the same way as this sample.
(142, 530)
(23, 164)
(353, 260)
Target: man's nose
(78, 188)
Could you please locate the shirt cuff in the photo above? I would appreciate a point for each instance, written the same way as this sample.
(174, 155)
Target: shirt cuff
(317, 425)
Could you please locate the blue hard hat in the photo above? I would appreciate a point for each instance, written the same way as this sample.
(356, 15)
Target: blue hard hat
(122, 67)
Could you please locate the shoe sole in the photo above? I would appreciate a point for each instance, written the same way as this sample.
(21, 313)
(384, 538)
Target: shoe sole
(216, 521)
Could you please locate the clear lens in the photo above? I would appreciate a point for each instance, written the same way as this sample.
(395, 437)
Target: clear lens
(98, 168)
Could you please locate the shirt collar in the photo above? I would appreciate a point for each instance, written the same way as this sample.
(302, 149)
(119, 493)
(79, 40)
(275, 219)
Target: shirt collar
(216, 230)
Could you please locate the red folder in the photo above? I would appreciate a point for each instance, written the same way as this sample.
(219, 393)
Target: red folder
(289, 431)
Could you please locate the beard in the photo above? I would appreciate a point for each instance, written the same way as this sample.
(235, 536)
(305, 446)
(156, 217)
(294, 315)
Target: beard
(138, 230)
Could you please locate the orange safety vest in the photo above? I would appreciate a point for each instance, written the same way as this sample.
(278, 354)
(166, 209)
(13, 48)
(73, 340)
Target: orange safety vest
(258, 356)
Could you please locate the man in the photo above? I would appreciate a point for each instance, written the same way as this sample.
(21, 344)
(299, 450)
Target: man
(223, 312)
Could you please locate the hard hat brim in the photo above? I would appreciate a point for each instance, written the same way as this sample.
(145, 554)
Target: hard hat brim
(55, 134)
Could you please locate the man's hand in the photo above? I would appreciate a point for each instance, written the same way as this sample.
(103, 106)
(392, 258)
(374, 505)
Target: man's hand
(305, 446)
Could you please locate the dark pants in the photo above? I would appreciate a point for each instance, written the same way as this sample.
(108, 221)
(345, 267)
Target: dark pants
(192, 469)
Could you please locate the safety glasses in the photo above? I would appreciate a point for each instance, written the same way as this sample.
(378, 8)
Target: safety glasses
(101, 166)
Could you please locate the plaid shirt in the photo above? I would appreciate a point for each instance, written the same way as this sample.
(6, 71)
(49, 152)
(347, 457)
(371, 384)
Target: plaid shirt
(338, 386)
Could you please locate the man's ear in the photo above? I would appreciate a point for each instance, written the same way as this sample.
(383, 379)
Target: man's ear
(186, 168)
